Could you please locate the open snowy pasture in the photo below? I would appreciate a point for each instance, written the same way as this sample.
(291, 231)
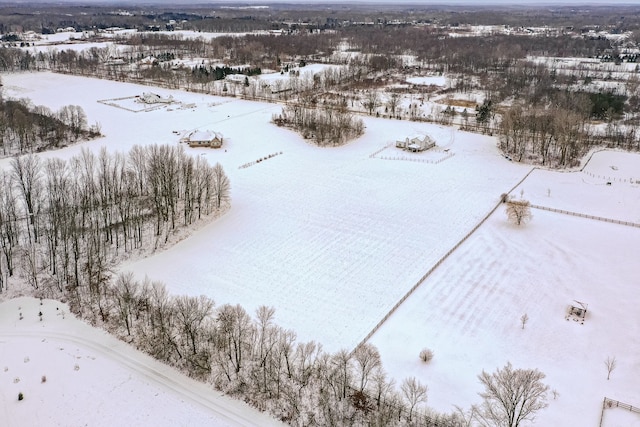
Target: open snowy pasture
(468, 312)
(71, 374)
(608, 187)
(331, 237)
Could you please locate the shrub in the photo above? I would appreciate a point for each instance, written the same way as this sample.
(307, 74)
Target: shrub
(20, 396)
(43, 379)
(426, 355)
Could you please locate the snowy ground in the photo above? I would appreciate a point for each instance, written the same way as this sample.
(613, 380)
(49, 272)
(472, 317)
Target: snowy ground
(433, 80)
(71, 374)
(334, 237)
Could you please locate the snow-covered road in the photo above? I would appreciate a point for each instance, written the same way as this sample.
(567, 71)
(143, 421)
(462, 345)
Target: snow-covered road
(94, 351)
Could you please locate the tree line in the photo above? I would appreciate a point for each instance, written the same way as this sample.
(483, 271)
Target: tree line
(498, 65)
(63, 223)
(327, 125)
(253, 359)
(26, 129)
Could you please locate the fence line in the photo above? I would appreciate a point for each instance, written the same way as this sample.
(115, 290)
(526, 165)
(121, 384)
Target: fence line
(409, 159)
(597, 218)
(374, 154)
(610, 403)
(631, 180)
(262, 159)
(436, 265)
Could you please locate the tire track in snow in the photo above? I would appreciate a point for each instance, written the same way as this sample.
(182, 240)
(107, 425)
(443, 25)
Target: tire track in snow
(152, 370)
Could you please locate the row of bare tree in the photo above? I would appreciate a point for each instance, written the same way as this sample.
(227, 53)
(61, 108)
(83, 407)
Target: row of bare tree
(26, 129)
(64, 222)
(254, 359)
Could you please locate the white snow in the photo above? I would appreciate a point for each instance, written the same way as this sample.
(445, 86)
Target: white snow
(71, 374)
(334, 237)
(428, 80)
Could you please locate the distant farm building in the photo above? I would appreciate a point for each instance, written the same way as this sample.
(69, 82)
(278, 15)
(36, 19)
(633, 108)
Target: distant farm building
(154, 98)
(236, 78)
(416, 144)
(204, 138)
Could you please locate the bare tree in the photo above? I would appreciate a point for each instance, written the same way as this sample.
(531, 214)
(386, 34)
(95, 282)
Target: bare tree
(371, 101)
(524, 319)
(510, 396)
(27, 177)
(519, 211)
(414, 393)
(610, 363)
(367, 359)
(221, 185)
(124, 293)
(392, 103)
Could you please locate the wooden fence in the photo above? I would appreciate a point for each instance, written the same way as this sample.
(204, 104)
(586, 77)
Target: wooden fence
(418, 160)
(630, 180)
(436, 265)
(610, 403)
(581, 215)
(262, 159)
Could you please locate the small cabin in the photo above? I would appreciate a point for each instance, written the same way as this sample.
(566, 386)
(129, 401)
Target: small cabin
(577, 312)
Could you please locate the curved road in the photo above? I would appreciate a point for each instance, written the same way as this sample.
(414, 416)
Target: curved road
(231, 412)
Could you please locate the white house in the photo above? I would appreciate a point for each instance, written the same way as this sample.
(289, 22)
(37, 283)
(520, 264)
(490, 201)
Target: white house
(416, 144)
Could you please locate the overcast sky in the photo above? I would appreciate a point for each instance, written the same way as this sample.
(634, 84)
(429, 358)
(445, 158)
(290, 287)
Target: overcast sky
(532, 3)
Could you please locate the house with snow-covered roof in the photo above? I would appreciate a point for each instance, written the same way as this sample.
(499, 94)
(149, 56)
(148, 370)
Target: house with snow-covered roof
(154, 98)
(416, 144)
(204, 138)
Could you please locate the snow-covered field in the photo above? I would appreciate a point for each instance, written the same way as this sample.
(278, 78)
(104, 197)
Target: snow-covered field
(334, 237)
(433, 80)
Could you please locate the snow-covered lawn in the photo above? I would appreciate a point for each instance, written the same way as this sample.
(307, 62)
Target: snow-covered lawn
(433, 80)
(334, 237)
(468, 312)
(71, 374)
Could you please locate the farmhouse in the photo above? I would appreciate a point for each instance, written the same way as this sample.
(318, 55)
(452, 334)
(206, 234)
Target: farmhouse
(204, 138)
(154, 98)
(236, 78)
(416, 144)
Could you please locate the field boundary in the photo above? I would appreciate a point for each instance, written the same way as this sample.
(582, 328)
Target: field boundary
(447, 155)
(437, 264)
(246, 165)
(581, 215)
(608, 179)
(112, 103)
(610, 403)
